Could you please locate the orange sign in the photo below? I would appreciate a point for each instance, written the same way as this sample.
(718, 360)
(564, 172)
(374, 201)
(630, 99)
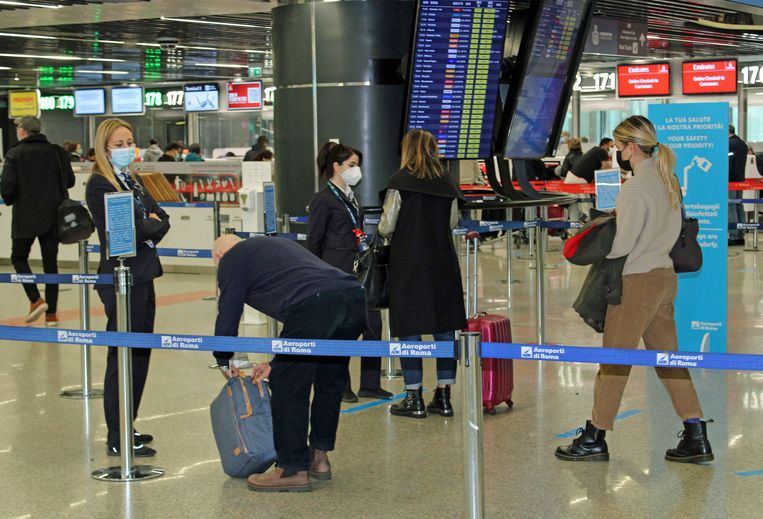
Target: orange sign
(23, 103)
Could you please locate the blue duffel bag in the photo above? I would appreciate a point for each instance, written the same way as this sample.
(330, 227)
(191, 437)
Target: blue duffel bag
(243, 427)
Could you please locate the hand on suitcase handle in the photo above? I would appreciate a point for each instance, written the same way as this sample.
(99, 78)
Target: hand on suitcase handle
(260, 372)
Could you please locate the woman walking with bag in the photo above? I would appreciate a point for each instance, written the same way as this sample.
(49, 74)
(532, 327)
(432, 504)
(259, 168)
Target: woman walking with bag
(426, 296)
(648, 225)
(334, 234)
(114, 152)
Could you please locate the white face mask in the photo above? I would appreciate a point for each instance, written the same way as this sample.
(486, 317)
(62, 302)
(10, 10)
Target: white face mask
(352, 176)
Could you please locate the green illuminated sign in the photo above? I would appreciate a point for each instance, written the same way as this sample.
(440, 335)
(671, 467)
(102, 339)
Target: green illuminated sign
(255, 71)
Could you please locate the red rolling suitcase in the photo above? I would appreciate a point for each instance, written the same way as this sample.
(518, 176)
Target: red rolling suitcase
(497, 374)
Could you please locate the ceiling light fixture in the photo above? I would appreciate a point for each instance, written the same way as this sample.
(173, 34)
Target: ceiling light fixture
(5, 68)
(110, 72)
(41, 56)
(31, 36)
(257, 51)
(27, 4)
(210, 22)
(220, 65)
(107, 60)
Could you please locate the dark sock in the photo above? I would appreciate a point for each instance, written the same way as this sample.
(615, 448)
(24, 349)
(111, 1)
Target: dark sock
(693, 420)
(287, 473)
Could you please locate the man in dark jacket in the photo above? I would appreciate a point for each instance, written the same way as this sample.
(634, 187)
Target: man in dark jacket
(172, 153)
(737, 162)
(313, 300)
(36, 176)
(257, 148)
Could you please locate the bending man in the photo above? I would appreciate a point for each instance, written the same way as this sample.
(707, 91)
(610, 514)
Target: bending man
(314, 301)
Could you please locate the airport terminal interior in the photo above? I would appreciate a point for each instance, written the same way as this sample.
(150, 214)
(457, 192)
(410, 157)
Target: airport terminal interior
(300, 73)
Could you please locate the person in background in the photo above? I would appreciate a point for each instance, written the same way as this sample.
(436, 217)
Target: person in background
(334, 235)
(572, 158)
(194, 153)
(469, 173)
(648, 224)
(36, 176)
(74, 150)
(426, 295)
(257, 148)
(115, 151)
(153, 152)
(313, 300)
(737, 163)
(594, 159)
(172, 153)
(263, 156)
(90, 155)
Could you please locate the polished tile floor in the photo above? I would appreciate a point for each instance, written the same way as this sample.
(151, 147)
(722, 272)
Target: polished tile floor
(386, 466)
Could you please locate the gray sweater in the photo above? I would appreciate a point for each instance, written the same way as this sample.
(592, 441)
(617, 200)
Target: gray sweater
(647, 226)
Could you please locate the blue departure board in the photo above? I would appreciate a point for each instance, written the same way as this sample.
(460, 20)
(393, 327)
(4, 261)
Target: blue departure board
(454, 76)
(548, 67)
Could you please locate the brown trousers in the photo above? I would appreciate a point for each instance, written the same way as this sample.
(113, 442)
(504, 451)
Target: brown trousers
(645, 311)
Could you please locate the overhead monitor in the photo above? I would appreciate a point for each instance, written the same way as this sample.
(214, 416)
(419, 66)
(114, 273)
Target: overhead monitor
(245, 96)
(709, 77)
(127, 101)
(90, 101)
(453, 86)
(540, 89)
(201, 97)
(643, 80)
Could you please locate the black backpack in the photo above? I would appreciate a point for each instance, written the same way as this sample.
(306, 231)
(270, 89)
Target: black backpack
(73, 222)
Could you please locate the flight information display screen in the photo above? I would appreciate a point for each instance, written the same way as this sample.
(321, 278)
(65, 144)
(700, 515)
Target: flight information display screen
(551, 66)
(709, 77)
(454, 76)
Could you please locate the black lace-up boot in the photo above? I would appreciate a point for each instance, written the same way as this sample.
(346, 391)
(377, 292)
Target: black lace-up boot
(412, 405)
(588, 446)
(693, 447)
(440, 404)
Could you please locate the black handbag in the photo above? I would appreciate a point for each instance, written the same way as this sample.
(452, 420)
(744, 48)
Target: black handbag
(373, 273)
(687, 253)
(73, 220)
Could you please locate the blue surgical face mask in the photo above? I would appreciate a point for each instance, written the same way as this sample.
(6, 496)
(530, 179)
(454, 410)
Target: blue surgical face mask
(122, 157)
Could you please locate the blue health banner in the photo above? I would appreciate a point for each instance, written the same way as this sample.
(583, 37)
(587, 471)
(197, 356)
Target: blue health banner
(698, 134)
(120, 224)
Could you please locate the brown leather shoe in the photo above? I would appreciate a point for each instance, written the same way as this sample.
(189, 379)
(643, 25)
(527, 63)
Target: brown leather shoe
(36, 309)
(320, 468)
(274, 482)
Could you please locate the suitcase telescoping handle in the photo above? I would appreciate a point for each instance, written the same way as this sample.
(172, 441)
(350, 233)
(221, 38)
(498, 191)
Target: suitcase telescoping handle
(472, 242)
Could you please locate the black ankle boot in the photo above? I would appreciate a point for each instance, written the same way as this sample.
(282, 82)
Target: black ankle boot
(589, 446)
(440, 404)
(412, 405)
(693, 447)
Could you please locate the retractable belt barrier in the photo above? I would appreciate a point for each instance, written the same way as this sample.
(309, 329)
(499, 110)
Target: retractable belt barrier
(176, 253)
(422, 349)
(59, 279)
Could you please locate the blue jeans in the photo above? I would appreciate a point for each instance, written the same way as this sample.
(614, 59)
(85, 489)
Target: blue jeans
(413, 370)
(736, 215)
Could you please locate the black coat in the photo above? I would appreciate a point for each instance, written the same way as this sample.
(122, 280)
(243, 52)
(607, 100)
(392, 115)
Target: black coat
(737, 158)
(145, 265)
(426, 294)
(329, 234)
(32, 182)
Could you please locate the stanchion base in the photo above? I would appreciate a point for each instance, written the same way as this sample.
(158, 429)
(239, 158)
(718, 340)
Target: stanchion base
(76, 394)
(753, 250)
(139, 473)
(526, 257)
(548, 267)
(395, 374)
(513, 282)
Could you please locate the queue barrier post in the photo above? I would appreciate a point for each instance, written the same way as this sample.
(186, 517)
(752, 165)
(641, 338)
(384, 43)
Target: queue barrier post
(127, 471)
(286, 224)
(540, 278)
(474, 493)
(390, 372)
(85, 391)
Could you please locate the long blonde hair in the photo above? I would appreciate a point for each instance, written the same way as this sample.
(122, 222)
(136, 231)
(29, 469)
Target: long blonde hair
(102, 164)
(420, 155)
(640, 130)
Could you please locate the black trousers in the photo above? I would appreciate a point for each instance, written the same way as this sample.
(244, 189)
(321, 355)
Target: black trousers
(142, 312)
(20, 249)
(337, 314)
(370, 367)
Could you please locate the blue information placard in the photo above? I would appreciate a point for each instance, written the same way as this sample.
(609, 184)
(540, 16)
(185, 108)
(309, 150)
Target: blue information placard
(698, 134)
(269, 201)
(607, 188)
(120, 224)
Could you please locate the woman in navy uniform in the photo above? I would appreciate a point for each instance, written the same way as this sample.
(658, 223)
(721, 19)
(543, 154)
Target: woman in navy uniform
(114, 152)
(334, 234)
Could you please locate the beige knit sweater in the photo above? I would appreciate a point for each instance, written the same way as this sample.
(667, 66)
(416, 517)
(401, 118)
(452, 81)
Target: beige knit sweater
(647, 226)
